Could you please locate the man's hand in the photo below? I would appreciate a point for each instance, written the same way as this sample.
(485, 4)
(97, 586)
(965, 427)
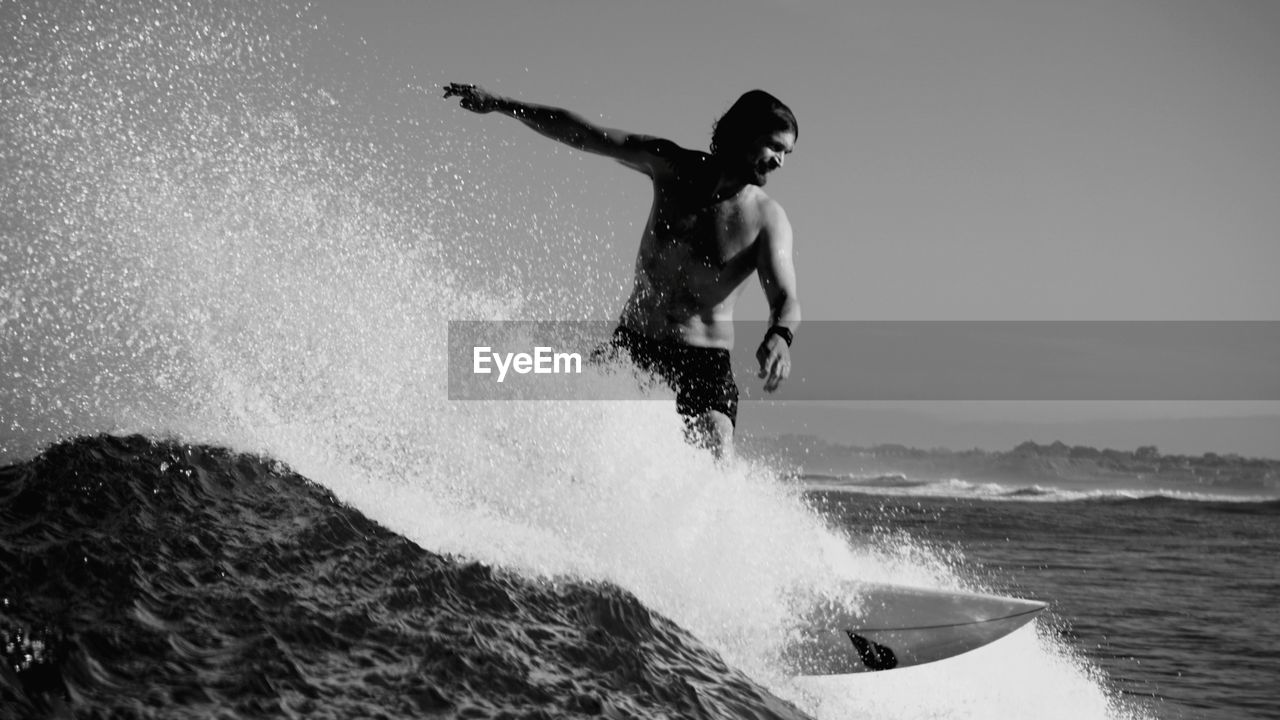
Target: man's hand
(473, 98)
(775, 361)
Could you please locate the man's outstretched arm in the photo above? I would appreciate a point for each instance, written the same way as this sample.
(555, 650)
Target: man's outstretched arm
(640, 152)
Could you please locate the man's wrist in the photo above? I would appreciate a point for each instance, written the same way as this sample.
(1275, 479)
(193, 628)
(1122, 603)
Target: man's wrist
(782, 332)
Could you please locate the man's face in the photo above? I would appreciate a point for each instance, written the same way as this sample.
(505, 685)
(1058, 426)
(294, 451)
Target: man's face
(767, 154)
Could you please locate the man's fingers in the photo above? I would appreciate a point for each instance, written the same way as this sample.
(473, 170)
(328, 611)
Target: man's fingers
(769, 362)
(775, 370)
(457, 89)
(771, 372)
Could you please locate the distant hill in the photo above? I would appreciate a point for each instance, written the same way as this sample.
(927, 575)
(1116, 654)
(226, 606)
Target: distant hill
(1028, 461)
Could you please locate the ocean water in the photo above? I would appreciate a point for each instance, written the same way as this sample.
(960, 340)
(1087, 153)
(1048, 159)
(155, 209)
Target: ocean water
(147, 578)
(236, 250)
(1171, 597)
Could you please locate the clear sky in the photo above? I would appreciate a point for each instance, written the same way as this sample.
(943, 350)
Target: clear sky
(957, 159)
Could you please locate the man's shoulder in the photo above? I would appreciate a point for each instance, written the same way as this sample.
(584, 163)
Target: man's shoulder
(663, 148)
(665, 157)
(774, 225)
(770, 210)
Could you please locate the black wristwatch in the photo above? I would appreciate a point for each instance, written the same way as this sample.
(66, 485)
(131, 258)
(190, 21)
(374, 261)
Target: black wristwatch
(780, 331)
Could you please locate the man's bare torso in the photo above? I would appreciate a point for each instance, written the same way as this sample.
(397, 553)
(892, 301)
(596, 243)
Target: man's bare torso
(696, 254)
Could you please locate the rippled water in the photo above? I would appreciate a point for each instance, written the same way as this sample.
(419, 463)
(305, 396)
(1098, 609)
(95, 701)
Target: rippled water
(170, 581)
(1174, 599)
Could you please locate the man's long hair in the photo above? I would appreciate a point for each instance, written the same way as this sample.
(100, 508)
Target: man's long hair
(754, 114)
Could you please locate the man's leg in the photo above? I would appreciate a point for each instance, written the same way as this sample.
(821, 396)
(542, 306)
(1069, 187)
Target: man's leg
(712, 430)
(708, 400)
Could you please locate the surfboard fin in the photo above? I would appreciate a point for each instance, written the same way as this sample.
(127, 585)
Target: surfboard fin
(874, 655)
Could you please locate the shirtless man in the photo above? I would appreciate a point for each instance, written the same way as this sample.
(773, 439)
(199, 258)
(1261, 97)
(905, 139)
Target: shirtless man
(710, 228)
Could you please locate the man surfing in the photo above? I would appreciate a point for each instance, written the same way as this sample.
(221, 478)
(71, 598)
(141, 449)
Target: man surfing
(711, 227)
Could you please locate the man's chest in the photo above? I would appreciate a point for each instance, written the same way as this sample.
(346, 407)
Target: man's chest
(714, 235)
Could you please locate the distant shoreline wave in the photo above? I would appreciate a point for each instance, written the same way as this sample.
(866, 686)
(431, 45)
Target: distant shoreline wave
(954, 488)
(888, 480)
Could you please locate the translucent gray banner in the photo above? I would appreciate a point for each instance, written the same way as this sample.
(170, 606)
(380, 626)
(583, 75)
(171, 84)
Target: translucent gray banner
(902, 361)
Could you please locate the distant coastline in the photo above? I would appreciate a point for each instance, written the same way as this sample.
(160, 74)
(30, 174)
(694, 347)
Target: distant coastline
(1029, 461)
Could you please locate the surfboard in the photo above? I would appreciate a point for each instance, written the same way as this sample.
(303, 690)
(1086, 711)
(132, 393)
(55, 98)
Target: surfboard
(896, 626)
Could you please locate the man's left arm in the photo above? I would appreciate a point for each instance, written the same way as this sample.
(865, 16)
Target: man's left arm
(776, 267)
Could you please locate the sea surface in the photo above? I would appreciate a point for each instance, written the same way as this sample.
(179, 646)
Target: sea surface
(147, 578)
(1171, 596)
(234, 485)
(154, 580)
